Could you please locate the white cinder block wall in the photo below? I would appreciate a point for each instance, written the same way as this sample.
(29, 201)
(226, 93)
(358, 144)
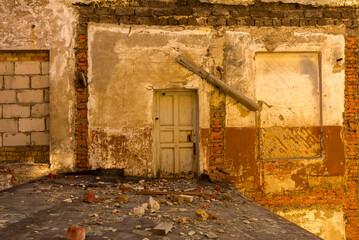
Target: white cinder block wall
(24, 101)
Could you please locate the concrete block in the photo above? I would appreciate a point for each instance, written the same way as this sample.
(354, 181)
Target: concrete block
(45, 67)
(17, 139)
(31, 124)
(16, 82)
(40, 138)
(15, 110)
(27, 67)
(163, 228)
(8, 125)
(40, 110)
(30, 96)
(7, 96)
(47, 95)
(5, 180)
(40, 81)
(6, 68)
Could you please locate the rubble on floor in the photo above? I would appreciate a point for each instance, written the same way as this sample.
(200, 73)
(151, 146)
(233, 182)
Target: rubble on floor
(102, 207)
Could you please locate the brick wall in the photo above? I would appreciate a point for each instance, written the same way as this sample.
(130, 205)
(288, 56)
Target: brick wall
(218, 167)
(82, 98)
(24, 106)
(351, 126)
(193, 13)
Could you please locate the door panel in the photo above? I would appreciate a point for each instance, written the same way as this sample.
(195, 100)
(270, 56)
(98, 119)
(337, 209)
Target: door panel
(166, 110)
(185, 111)
(167, 166)
(184, 154)
(176, 130)
(166, 137)
(185, 136)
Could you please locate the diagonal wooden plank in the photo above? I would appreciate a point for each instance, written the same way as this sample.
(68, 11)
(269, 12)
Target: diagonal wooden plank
(239, 97)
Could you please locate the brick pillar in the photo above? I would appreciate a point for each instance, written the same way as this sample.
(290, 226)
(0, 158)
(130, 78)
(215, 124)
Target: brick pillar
(218, 167)
(82, 99)
(351, 137)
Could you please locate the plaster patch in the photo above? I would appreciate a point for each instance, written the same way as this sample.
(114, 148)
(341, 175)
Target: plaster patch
(327, 223)
(274, 184)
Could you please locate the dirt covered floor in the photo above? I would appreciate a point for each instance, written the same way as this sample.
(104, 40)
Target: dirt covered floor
(110, 207)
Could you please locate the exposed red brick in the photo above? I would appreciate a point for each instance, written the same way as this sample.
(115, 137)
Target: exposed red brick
(89, 197)
(76, 233)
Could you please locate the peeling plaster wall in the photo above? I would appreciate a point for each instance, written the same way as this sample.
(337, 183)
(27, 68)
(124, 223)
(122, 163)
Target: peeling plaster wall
(243, 126)
(129, 62)
(126, 66)
(48, 25)
(324, 222)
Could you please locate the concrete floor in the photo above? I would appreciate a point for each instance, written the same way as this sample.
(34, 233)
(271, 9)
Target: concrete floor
(45, 208)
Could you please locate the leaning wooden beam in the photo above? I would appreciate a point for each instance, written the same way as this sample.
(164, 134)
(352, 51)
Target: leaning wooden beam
(249, 103)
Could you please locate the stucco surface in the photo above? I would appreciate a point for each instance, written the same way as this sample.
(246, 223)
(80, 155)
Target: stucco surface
(48, 25)
(127, 64)
(324, 222)
(241, 72)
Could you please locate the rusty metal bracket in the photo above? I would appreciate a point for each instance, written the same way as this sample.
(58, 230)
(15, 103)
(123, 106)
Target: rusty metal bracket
(233, 93)
(81, 78)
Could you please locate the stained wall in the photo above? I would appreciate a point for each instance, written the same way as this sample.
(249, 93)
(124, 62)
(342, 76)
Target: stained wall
(46, 25)
(304, 107)
(116, 109)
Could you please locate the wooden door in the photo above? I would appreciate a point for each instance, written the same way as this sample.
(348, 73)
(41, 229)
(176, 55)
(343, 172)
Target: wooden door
(176, 120)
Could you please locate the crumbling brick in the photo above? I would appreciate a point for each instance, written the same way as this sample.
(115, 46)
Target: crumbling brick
(201, 12)
(76, 233)
(220, 11)
(104, 11)
(143, 11)
(124, 11)
(183, 11)
(313, 13)
(163, 11)
(53, 176)
(89, 197)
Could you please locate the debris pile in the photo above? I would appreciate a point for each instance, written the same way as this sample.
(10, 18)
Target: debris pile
(112, 208)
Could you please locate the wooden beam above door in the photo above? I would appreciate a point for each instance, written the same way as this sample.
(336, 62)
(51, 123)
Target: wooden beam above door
(225, 88)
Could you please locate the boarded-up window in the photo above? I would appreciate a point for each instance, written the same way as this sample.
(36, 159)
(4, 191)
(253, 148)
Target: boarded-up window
(289, 86)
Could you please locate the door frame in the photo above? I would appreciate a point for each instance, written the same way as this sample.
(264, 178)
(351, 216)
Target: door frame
(156, 143)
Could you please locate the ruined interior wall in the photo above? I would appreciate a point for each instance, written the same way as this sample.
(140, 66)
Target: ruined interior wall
(47, 25)
(329, 181)
(282, 179)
